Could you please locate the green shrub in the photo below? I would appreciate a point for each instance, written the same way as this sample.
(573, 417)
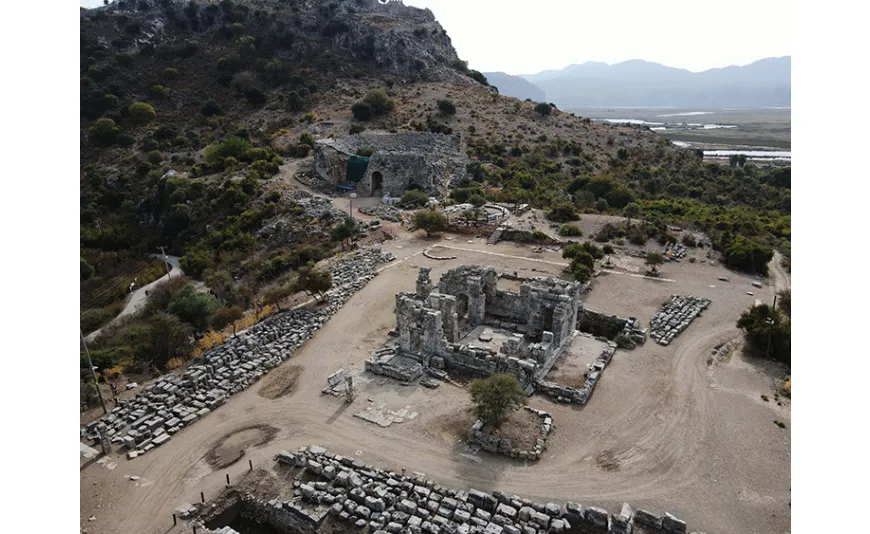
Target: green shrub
(414, 198)
(104, 131)
(567, 230)
(430, 221)
(158, 91)
(306, 139)
(356, 128)
(543, 109)
(446, 107)
(169, 73)
(210, 109)
(563, 212)
(231, 147)
(362, 111)
(141, 113)
(365, 151)
(155, 157)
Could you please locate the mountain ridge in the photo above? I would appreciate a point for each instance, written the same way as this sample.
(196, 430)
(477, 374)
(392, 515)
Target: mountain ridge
(636, 82)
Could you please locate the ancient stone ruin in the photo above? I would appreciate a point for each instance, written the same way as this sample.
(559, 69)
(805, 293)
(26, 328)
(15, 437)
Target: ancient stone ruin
(469, 326)
(428, 161)
(176, 401)
(675, 316)
(431, 325)
(331, 491)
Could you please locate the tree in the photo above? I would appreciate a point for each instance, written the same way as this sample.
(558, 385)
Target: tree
(446, 107)
(563, 212)
(166, 338)
(362, 111)
(741, 160)
(543, 109)
(313, 281)
(276, 294)
(567, 230)
(601, 204)
(345, 230)
(193, 307)
(226, 316)
(141, 113)
(494, 397)
(768, 332)
(732, 160)
(631, 211)
(654, 259)
(431, 221)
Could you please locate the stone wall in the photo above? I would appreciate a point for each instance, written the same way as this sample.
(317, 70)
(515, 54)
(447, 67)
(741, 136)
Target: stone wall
(178, 400)
(499, 445)
(561, 393)
(378, 501)
(430, 161)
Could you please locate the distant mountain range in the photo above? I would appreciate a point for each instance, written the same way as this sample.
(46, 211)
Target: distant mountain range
(764, 83)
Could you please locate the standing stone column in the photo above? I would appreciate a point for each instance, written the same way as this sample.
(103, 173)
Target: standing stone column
(476, 300)
(424, 283)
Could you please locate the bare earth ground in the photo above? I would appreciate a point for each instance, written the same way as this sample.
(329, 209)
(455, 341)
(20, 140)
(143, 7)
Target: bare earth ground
(574, 361)
(663, 431)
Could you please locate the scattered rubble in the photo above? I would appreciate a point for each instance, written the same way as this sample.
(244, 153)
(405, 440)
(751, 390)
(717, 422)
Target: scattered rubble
(674, 251)
(384, 212)
(175, 401)
(675, 316)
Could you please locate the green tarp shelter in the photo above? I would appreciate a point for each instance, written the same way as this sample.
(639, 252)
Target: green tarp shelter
(356, 168)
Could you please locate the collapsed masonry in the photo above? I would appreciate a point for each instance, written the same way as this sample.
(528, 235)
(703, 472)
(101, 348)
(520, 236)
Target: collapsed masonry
(675, 316)
(330, 489)
(540, 320)
(176, 401)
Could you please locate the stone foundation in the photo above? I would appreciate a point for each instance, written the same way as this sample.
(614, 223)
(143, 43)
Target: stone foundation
(495, 444)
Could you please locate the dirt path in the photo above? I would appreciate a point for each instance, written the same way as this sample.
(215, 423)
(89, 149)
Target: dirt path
(781, 279)
(676, 435)
(138, 298)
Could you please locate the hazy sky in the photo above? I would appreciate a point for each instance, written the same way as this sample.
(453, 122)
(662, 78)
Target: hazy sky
(527, 36)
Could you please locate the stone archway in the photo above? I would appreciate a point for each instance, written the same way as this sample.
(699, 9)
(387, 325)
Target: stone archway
(377, 183)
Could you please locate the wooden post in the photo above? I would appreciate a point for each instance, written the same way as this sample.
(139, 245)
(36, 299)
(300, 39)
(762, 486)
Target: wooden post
(228, 479)
(202, 496)
(251, 465)
(174, 520)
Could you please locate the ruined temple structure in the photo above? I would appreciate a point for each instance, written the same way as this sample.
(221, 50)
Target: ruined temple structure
(429, 161)
(433, 324)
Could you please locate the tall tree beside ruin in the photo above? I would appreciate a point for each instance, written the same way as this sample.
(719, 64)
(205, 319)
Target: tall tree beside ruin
(276, 294)
(313, 281)
(495, 397)
(225, 316)
(431, 221)
(654, 259)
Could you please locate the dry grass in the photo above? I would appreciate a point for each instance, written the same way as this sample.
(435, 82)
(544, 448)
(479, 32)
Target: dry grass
(522, 428)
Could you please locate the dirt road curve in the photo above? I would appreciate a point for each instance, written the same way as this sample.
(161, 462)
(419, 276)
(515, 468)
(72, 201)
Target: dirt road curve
(681, 433)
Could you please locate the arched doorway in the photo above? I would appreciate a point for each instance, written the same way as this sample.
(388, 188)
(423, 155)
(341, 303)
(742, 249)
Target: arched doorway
(377, 183)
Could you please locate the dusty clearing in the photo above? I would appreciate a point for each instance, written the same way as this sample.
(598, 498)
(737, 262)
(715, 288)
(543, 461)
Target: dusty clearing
(663, 431)
(280, 382)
